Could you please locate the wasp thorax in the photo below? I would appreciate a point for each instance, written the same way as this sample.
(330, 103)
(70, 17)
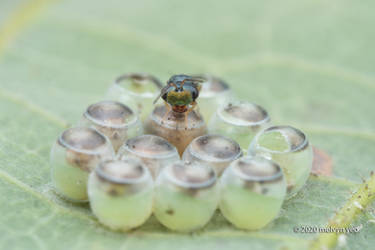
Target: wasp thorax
(252, 192)
(154, 151)
(77, 151)
(214, 150)
(214, 93)
(239, 121)
(138, 90)
(121, 193)
(288, 147)
(115, 120)
(177, 128)
(186, 196)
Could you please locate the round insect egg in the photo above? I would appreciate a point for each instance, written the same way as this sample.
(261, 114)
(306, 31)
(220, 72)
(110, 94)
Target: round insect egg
(154, 151)
(214, 93)
(240, 121)
(186, 196)
(121, 193)
(137, 90)
(252, 192)
(115, 120)
(177, 128)
(214, 150)
(75, 154)
(288, 147)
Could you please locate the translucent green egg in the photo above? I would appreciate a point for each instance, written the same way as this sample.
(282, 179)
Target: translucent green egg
(213, 94)
(121, 193)
(155, 152)
(136, 90)
(213, 150)
(115, 120)
(186, 196)
(74, 155)
(240, 121)
(288, 147)
(252, 192)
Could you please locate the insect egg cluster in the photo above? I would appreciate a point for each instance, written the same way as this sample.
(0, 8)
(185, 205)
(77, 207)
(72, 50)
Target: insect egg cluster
(131, 158)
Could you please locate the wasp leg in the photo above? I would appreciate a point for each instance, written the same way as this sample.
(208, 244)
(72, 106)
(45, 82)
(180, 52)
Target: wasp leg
(193, 105)
(168, 108)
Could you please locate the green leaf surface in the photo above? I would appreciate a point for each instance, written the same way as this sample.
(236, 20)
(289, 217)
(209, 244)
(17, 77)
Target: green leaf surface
(309, 63)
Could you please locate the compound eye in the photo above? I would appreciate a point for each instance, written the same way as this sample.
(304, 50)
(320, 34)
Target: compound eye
(195, 94)
(166, 91)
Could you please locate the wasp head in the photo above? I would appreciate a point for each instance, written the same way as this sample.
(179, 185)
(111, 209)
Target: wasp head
(181, 90)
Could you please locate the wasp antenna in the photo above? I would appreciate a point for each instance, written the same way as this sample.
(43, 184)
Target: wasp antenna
(157, 99)
(182, 83)
(172, 84)
(163, 91)
(198, 79)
